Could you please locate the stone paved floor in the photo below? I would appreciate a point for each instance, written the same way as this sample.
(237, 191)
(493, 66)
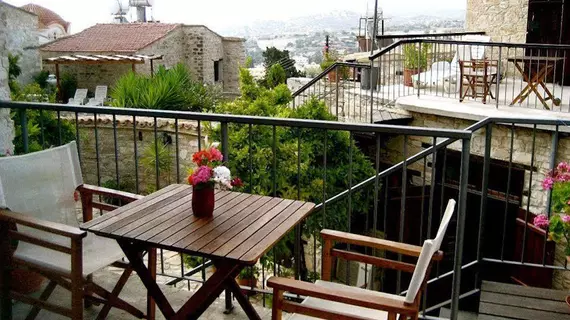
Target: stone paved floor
(135, 293)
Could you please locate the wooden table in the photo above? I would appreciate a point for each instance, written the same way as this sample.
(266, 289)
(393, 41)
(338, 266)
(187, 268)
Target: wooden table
(242, 229)
(506, 301)
(545, 66)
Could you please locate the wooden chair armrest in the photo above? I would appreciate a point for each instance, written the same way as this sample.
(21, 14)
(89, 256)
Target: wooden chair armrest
(52, 227)
(362, 299)
(87, 191)
(127, 196)
(355, 239)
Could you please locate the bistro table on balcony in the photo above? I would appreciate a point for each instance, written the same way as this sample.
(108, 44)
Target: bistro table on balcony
(242, 229)
(544, 66)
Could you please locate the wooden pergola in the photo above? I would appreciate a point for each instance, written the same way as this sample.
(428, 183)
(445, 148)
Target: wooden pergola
(83, 59)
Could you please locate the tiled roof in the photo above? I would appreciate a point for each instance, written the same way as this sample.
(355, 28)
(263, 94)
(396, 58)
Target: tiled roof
(45, 16)
(112, 37)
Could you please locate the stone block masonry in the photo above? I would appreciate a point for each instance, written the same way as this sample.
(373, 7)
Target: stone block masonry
(21, 39)
(100, 159)
(6, 124)
(503, 20)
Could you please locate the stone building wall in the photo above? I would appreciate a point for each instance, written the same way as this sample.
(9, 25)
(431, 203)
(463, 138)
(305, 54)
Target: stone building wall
(187, 144)
(234, 58)
(503, 20)
(194, 51)
(213, 51)
(195, 46)
(6, 124)
(22, 39)
(172, 49)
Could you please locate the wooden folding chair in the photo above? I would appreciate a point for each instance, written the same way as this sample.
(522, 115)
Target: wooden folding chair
(39, 189)
(330, 300)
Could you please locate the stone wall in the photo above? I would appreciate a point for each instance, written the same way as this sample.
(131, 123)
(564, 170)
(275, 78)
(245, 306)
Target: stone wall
(187, 144)
(213, 51)
(234, 58)
(503, 20)
(22, 39)
(6, 124)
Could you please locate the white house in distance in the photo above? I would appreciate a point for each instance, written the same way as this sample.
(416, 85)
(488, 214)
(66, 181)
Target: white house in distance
(51, 26)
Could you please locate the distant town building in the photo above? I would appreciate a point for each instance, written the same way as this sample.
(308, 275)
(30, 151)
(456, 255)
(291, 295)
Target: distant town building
(51, 26)
(211, 58)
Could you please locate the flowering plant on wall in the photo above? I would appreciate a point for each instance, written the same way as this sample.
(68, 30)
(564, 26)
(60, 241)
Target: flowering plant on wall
(558, 226)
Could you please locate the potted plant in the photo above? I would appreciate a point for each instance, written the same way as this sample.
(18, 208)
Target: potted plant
(340, 72)
(209, 173)
(248, 277)
(415, 60)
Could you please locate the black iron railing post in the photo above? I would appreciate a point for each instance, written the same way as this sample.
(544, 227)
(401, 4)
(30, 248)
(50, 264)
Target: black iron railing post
(484, 187)
(225, 141)
(498, 78)
(461, 211)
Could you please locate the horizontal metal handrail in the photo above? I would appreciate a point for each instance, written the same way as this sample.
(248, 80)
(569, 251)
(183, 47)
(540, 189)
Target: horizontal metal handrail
(228, 118)
(429, 35)
(326, 72)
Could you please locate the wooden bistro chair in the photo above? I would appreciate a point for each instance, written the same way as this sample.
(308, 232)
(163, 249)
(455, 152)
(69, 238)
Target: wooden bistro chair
(477, 77)
(330, 300)
(39, 216)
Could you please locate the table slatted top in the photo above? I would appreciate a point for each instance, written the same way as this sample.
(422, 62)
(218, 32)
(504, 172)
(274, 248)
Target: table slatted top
(243, 226)
(507, 301)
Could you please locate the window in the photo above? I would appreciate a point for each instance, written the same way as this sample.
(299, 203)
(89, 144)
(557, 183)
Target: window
(217, 70)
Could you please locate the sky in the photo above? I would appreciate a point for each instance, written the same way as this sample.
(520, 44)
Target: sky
(223, 14)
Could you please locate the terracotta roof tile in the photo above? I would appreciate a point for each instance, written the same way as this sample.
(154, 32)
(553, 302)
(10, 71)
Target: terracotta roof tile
(112, 37)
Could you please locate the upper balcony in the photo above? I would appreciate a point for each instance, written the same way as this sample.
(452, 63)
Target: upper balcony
(458, 75)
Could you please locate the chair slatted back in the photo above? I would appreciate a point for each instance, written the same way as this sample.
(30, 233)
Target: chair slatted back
(100, 93)
(429, 248)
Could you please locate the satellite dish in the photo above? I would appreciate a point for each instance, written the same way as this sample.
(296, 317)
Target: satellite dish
(119, 7)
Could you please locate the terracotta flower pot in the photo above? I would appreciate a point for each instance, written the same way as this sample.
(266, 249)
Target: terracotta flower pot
(203, 201)
(333, 76)
(408, 73)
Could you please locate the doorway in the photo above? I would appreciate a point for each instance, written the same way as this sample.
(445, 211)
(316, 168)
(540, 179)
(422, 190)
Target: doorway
(546, 25)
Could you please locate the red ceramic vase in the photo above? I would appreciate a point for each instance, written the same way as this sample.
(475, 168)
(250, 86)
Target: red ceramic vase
(203, 201)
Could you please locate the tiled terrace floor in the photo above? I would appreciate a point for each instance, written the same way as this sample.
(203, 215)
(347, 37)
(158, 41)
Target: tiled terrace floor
(135, 293)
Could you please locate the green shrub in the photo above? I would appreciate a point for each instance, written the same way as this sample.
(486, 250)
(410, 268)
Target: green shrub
(41, 78)
(275, 76)
(259, 101)
(68, 86)
(171, 89)
(14, 71)
(39, 139)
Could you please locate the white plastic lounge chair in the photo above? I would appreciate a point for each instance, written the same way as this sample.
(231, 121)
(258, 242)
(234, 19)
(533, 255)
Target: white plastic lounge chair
(100, 96)
(38, 189)
(332, 300)
(443, 71)
(79, 98)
